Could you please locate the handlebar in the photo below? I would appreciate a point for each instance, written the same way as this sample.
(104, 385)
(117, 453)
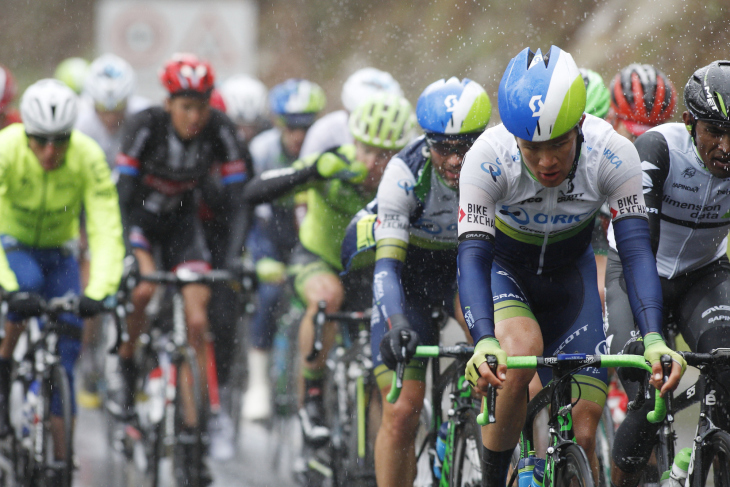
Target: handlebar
(530, 362)
(321, 317)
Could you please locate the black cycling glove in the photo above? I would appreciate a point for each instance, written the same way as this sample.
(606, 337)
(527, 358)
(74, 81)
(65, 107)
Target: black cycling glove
(399, 344)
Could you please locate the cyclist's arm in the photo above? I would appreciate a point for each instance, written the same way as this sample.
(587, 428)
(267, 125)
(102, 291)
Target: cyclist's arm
(8, 281)
(128, 164)
(622, 182)
(396, 202)
(654, 155)
(273, 184)
(103, 225)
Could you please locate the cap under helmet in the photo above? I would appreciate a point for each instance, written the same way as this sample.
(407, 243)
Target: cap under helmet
(643, 97)
(384, 120)
(186, 75)
(8, 88)
(598, 98)
(245, 99)
(110, 81)
(297, 101)
(48, 107)
(452, 108)
(73, 71)
(364, 83)
(707, 93)
(541, 96)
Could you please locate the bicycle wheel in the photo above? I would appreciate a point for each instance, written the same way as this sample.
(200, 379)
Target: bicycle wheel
(715, 460)
(574, 469)
(56, 469)
(187, 459)
(604, 447)
(466, 468)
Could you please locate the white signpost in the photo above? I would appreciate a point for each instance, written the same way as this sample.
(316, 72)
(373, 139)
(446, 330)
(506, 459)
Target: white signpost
(146, 33)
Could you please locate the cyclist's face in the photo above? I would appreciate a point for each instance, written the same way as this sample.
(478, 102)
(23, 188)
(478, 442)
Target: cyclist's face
(550, 161)
(111, 119)
(292, 139)
(447, 157)
(50, 153)
(189, 115)
(713, 145)
(375, 159)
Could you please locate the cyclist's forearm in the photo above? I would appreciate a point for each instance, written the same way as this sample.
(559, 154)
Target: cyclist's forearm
(239, 223)
(474, 262)
(642, 281)
(387, 290)
(274, 184)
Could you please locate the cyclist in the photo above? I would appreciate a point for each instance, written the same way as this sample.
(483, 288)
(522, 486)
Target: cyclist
(47, 172)
(8, 89)
(245, 102)
(686, 169)
(642, 97)
(332, 130)
(167, 153)
(108, 103)
(529, 191)
(339, 183)
(296, 104)
(72, 71)
(414, 225)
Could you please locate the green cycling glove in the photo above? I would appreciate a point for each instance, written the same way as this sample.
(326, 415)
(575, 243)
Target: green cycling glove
(331, 166)
(486, 346)
(654, 348)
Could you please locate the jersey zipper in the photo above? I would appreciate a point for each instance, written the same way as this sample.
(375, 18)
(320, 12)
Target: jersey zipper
(552, 201)
(42, 208)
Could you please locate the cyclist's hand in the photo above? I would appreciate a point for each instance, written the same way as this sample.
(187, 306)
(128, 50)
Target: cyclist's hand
(398, 345)
(478, 372)
(329, 166)
(24, 304)
(654, 348)
(270, 271)
(91, 307)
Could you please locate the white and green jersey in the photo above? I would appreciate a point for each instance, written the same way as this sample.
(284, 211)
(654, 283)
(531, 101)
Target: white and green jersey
(546, 228)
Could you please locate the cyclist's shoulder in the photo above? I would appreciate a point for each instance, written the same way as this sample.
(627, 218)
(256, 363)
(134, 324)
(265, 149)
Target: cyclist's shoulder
(13, 135)
(329, 131)
(265, 145)
(136, 104)
(414, 156)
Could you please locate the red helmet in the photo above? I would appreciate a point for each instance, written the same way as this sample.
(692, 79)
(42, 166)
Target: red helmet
(642, 97)
(217, 101)
(187, 75)
(8, 88)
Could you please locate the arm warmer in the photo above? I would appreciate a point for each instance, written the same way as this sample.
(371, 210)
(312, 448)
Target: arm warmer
(387, 289)
(474, 262)
(642, 281)
(239, 221)
(276, 183)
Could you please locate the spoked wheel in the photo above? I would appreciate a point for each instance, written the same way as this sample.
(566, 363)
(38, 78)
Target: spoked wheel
(52, 466)
(604, 447)
(466, 469)
(716, 460)
(574, 469)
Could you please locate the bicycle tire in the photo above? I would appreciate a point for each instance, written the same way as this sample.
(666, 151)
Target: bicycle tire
(187, 458)
(466, 468)
(604, 446)
(237, 378)
(715, 456)
(51, 467)
(574, 469)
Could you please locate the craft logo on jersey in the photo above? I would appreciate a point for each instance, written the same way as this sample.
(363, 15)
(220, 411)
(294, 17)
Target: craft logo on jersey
(689, 172)
(536, 105)
(493, 168)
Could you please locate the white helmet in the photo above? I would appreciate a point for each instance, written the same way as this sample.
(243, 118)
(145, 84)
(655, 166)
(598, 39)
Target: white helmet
(110, 81)
(245, 99)
(364, 83)
(48, 107)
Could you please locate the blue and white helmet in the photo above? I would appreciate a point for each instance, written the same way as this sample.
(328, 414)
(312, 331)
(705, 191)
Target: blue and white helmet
(452, 107)
(297, 101)
(541, 97)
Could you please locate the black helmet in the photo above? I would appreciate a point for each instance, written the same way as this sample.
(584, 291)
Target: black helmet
(707, 94)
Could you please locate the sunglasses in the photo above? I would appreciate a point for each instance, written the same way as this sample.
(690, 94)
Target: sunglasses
(56, 140)
(446, 149)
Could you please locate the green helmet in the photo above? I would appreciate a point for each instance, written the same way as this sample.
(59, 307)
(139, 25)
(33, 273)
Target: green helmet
(73, 71)
(598, 98)
(384, 120)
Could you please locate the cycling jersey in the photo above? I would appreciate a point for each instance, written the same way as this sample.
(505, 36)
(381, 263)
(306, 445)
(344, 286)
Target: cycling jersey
(327, 133)
(506, 215)
(89, 123)
(688, 208)
(40, 209)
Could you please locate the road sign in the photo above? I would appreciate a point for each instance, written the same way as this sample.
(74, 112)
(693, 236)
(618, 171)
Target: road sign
(146, 33)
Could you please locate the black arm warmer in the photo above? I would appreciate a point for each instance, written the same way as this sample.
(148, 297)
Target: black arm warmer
(276, 183)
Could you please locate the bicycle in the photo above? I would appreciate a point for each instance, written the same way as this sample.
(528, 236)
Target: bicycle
(711, 445)
(566, 462)
(160, 440)
(39, 375)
